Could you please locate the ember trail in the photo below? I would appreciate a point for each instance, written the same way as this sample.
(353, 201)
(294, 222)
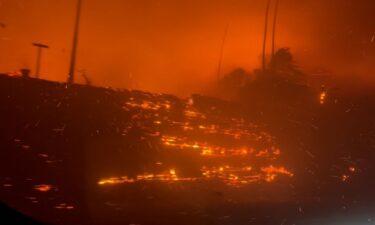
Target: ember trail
(102, 138)
(229, 149)
(125, 150)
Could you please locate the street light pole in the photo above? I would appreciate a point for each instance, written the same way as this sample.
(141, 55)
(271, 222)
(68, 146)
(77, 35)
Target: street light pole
(39, 52)
(222, 53)
(265, 36)
(75, 43)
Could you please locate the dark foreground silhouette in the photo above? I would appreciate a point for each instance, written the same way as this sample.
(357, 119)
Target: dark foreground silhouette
(87, 155)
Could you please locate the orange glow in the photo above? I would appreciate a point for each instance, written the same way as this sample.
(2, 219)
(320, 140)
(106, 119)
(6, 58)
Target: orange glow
(158, 62)
(148, 105)
(197, 133)
(193, 114)
(345, 177)
(206, 150)
(322, 97)
(229, 175)
(271, 172)
(64, 206)
(169, 176)
(43, 187)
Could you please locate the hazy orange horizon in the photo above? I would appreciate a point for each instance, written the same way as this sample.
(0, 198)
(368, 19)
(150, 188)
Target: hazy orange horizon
(174, 46)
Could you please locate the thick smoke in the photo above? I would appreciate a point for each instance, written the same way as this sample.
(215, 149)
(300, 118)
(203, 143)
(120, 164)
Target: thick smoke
(174, 46)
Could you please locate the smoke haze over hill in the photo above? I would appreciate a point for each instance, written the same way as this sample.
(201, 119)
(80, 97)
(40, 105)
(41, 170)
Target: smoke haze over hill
(174, 46)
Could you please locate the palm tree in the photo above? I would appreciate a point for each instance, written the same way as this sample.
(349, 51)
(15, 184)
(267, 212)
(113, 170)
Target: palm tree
(274, 26)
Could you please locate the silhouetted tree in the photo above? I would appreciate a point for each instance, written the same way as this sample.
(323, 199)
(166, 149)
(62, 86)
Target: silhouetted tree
(231, 84)
(283, 65)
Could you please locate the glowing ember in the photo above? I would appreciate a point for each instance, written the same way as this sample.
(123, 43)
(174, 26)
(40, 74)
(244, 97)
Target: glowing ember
(194, 115)
(43, 187)
(169, 176)
(223, 141)
(64, 206)
(149, 105)
(206, 150)
(229, 175)
(345, 177)
(322, 97)
(271, 172)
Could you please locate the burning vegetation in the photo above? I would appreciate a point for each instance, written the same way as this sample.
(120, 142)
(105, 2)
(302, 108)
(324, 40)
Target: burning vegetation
(113, 142)
(229, 149)
(271, 147)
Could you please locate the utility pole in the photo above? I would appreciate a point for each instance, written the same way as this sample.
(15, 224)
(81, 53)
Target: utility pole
(274, 27)
(222, 53)
(265, 36)
(75, 43)
(39, 52)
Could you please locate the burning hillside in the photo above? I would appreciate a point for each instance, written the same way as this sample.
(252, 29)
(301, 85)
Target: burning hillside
(100, 137)
(116, 155)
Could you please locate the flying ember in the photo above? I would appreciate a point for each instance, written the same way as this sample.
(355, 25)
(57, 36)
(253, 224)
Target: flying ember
(191, 112)
(227, 141)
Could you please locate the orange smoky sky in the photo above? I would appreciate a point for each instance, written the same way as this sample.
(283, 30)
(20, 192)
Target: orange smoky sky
(174, 46)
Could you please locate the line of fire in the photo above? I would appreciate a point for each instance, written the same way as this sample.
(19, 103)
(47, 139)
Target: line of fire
(277, 145)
